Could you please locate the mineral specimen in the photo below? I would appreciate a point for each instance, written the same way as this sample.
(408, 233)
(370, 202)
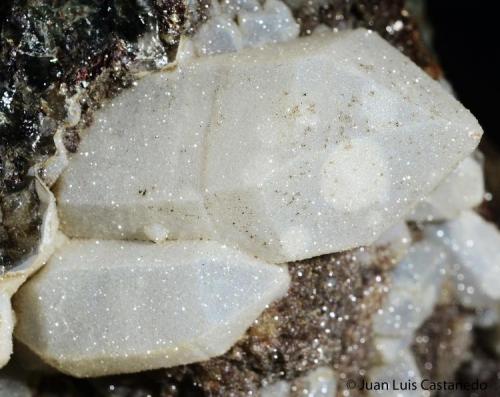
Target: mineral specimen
(107, 307)
(239, 24)
(342, 136)
(441, 342)
(305, 178)
(473, 244)
(12, 280)
(273, 24)
(416, 283)
(463, 189)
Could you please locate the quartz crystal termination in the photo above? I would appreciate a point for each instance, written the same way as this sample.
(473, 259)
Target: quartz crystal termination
(107, 307)
(294, 150)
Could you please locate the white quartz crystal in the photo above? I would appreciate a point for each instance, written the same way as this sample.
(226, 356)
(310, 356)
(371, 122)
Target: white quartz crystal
(475, 248)
(463, 189)
(218, 35)
(288, 152)
(416, 283)
(107, 307)
(274, 24)
(236, 24)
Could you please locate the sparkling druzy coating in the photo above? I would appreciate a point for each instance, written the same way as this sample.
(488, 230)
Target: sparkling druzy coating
(287, 152)
(107, 307)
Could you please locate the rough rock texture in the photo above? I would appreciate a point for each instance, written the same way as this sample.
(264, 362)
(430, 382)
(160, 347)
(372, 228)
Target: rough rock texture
(391, 19)
(441, 343)
(19, 225)
(483, 365)
(108, 307)
(287, 342)
(11, 280)
(307, 174)
(52, 51)
(320, 382)
(491, 209)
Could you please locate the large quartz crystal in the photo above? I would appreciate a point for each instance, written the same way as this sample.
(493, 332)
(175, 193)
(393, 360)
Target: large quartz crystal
(107, 307)
(287, 152)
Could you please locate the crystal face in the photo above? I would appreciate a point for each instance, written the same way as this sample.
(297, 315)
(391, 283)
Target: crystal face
(203, 149)
(288, 152)
(107, 307)
(473, 243)
(462, 189)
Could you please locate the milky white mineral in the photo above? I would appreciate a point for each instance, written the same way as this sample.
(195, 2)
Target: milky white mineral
(217, 36)
(108, 307)
(415, 287)
(462, 190)
(273, 24)
(288, 152)
(236, 24)
(474, 245)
